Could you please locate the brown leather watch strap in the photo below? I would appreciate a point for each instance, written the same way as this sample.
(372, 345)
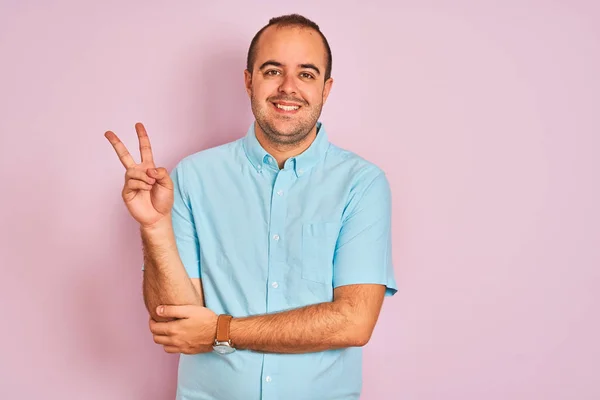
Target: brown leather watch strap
(223, 324)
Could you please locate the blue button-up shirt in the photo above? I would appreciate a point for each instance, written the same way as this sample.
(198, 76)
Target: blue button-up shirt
(264, 240)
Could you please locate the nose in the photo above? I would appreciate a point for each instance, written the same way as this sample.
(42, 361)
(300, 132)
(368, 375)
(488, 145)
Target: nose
(288, 85)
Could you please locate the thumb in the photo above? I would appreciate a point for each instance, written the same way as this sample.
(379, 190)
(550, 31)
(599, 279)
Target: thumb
(162, 176)
(175, 311)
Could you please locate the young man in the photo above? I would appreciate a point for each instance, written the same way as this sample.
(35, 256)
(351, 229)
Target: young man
(267, 259)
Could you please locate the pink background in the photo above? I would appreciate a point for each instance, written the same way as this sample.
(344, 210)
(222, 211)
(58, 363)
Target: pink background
(485, 117)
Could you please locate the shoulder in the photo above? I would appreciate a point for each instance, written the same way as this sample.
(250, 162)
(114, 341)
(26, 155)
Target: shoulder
(207, 159)
(362, 172)
(368, 188)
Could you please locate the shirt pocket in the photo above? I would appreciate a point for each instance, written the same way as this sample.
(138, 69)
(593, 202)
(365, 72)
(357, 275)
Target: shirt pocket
(318, 247)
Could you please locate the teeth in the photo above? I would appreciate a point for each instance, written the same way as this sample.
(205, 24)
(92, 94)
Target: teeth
(288, 108)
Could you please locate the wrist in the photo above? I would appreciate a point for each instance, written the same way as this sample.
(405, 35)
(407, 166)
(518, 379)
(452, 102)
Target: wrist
(161, 226)
(234, 332)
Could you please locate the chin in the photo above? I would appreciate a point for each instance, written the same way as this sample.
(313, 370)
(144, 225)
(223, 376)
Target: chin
(283, 126)
(282, 133)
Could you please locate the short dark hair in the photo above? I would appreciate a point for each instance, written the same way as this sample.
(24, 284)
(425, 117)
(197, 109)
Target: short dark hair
(283, 21)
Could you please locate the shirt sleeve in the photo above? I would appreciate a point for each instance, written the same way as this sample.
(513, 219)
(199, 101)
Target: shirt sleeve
(363, 251)
(184, 227)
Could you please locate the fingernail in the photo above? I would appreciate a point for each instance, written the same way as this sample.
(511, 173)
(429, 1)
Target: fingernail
(159, 310)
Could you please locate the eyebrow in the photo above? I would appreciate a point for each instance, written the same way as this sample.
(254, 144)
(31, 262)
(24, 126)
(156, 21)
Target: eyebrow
(274, 63)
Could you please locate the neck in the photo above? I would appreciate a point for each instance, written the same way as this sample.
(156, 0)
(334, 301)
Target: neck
(282, 152)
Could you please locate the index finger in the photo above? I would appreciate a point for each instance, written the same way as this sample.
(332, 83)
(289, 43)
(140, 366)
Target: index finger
(160, 328)
(121, 150)
(145, 148)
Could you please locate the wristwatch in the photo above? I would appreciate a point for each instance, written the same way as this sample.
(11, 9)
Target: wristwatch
(223, 343)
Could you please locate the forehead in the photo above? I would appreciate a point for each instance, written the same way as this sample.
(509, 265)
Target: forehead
(291, 45)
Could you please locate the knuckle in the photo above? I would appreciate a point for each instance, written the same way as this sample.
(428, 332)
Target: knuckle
(129, 173)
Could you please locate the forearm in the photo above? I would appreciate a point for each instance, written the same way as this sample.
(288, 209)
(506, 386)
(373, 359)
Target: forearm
(313, 328)
(165, 278)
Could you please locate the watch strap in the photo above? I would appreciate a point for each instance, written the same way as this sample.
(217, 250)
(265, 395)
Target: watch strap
(223, 327)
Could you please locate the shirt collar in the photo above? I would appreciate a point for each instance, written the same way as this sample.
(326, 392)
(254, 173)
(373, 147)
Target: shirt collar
(260, 158)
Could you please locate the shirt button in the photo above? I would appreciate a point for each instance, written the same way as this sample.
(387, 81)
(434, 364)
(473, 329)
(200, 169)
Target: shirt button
(275, 285)
(300, 172)
(275, 237)
(280, 192)
(268, 379)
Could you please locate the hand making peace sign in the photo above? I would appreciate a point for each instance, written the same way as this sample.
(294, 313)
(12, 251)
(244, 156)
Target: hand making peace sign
(148, 191)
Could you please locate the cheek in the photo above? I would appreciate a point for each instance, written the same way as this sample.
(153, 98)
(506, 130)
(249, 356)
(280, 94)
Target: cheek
(312, 96)
(311, 92)
(263, 90)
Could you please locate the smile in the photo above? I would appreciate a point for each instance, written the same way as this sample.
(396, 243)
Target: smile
(283, 108)
(287, 108)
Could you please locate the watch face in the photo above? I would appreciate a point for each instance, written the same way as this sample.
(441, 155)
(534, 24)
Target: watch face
(223, 349)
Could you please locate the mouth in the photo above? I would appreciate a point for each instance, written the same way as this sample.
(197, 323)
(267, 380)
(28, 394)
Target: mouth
(286, 108)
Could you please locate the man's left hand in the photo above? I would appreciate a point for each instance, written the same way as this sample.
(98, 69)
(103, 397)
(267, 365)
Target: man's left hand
(192, 332)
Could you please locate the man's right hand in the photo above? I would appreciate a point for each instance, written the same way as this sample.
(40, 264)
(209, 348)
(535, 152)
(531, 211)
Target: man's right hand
(148, 191)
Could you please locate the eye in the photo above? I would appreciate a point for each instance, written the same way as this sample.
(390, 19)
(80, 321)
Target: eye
(307, 75)
(272, 72)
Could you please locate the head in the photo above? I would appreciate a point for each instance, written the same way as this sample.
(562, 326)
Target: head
(288, 78)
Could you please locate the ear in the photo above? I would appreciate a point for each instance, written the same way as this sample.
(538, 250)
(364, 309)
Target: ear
(327, 89)
(248, 82)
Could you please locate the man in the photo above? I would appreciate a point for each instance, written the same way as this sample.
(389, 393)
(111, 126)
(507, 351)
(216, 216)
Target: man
(267, 259)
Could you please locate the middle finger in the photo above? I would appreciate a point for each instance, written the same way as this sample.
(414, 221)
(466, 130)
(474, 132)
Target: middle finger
(164, 340)
(145, 148)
